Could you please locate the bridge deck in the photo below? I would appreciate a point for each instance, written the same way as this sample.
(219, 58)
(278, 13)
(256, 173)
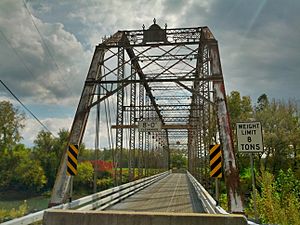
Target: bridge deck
(173, 193)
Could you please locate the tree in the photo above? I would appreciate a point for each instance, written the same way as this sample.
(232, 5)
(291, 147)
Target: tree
(28, 173)
(43, 151)
(280, 123)
(49, 150)
(61, 142)
(178, 159)
(19, 171)
(11, 122)
(262, 102)
(240, 109)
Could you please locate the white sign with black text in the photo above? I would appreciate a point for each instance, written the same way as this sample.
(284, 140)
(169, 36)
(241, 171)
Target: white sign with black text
(149, 126)
(249, 136)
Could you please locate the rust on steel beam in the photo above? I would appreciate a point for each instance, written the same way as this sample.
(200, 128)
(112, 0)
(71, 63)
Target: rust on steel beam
(62, 181)
(178, 93)
(231, 171)
(164, 126)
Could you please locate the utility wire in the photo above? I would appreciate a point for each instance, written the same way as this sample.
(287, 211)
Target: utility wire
(28, 110)
(46, 46)
(17, 54)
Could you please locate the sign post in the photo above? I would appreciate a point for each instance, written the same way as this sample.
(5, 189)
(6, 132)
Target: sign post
(249, 136)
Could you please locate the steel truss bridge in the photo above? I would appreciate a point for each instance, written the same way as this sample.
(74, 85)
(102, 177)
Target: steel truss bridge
(173, 78)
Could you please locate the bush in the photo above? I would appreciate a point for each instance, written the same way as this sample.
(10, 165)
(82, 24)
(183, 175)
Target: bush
(85, 175)
(105, 183)
(278, 200)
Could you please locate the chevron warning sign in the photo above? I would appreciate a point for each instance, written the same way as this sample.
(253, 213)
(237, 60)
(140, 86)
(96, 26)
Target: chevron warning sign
(72, 160)
(215, 161)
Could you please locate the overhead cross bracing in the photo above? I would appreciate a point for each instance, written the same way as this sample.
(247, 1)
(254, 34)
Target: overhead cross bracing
(172, 78)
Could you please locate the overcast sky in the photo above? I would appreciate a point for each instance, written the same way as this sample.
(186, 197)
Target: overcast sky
(258, 41)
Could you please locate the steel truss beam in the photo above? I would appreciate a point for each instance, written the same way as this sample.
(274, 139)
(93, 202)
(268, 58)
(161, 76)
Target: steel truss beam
(171, 75)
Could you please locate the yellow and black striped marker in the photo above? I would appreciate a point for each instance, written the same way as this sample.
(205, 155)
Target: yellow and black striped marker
(215, 161)
(72, 160)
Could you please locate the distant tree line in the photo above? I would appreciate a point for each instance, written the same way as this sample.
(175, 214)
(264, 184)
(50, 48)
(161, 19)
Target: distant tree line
(281, 130)
(278, 166)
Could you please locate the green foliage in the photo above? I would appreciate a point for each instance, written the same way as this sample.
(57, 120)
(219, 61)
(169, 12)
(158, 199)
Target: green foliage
(246, 181)
(85, 175)
(104, 174)
(6, 164)
(286, 183)
(281, 130)
(279, 189)
(30, 174)
(240, 108)
(178, 159)
(13, 213)
(21, 170)
(48, 151)
(278, 199)
(105, 183)
(223, 201)
(262, 102)
(281, 127)
(11, 122)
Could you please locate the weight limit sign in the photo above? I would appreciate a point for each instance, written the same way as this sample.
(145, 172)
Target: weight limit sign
(249, 136)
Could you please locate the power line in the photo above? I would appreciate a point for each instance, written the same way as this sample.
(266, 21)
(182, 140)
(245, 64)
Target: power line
(17, 54)
(46, 46)
(28, 110)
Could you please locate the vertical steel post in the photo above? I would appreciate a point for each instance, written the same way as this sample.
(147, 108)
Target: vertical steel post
(231, 173)
(120, 114)
(141, 134)
(62, 182)
(131, 162)
(147, 139)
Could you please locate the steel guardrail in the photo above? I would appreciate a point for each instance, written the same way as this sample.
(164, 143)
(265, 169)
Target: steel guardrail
(209, 203)
(99, 201)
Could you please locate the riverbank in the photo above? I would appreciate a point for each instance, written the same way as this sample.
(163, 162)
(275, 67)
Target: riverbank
(12, 200)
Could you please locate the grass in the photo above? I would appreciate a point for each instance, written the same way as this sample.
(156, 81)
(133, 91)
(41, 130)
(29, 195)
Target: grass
(12, 200)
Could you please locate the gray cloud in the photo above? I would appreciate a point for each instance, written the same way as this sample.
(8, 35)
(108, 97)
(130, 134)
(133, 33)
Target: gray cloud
(38, 72)
(258, 42)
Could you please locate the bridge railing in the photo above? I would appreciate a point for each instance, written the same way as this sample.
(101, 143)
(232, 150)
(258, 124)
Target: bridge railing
(208, 202)
(99, 201)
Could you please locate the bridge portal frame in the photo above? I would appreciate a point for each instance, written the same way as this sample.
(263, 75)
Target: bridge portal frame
(203, 81)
